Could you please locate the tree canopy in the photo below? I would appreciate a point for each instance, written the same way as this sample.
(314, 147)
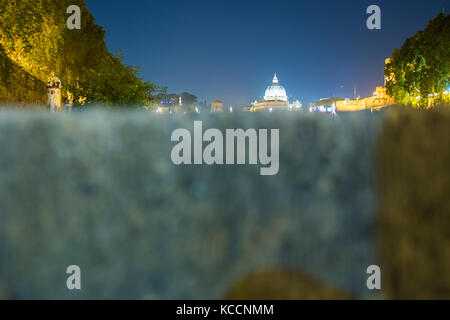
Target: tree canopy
(418, 73)
(35, 36)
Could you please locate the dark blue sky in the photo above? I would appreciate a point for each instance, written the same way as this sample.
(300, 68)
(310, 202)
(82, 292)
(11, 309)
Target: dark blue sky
(229, 50)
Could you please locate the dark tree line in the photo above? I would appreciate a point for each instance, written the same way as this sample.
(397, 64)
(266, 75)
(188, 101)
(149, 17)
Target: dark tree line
(418, 73)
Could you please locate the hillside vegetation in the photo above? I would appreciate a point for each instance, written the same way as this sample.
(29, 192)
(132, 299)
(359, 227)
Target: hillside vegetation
(35, 36)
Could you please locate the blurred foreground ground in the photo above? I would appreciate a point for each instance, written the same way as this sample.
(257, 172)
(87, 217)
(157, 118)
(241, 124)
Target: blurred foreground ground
(99, 190)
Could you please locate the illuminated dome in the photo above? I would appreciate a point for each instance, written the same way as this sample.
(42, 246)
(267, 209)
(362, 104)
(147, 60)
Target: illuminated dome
(275, 92)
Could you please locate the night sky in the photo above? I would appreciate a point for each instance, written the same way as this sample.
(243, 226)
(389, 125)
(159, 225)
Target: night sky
(230, 49)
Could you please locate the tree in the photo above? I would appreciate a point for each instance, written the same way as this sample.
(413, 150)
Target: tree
(418, 73)
(35, 36)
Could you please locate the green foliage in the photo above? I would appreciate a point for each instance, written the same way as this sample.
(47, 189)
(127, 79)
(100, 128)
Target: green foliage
(421, 67)
(35, 36)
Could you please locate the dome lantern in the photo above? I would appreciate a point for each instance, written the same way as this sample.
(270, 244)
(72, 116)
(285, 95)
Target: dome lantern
(275, 79)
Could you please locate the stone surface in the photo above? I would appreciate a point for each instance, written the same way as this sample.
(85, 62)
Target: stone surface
(18, 87)
(283, 284)
(99, 190)
(413, 234)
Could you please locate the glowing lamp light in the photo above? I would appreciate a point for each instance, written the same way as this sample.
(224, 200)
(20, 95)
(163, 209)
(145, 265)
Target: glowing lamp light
(270, 110)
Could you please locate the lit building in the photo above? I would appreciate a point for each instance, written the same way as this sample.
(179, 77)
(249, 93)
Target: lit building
(378, 100)
(217, 106)
(169, 103)
(54, 94)
(275, 98)
(275, 92)
(325, 105)
(296, 105)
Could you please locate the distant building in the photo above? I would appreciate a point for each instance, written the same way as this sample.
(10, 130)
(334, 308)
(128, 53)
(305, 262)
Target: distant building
(325, 105)
(217, 106)
(54, 100)
(296, 105)
(378, 100)
(171, 101)
(275, 98)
